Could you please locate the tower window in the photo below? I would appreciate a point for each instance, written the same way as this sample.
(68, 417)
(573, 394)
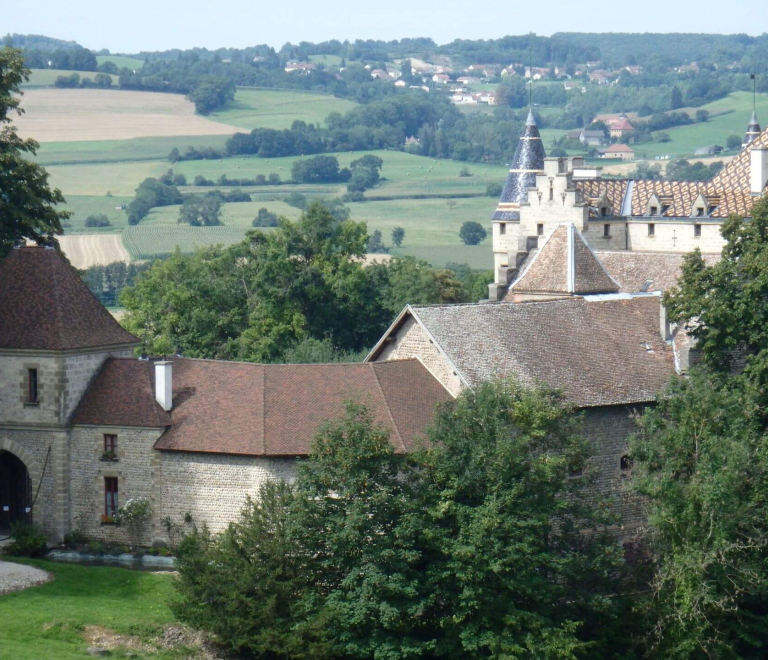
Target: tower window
(651, 229)
(32, 390)
(697, 230)
(607, 230)
(502, 228)
(110, 497)
(540, 230)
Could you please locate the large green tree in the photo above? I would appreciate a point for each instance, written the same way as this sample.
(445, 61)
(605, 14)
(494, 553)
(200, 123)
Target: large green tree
(478, 545)
(27, 203)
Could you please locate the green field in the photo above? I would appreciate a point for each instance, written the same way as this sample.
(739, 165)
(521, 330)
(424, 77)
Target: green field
(98, 179)
(82, 206)
(328, 60)
(53, 620)
(113, 151)
(148, 241)
(431, 227)
(267, 108)
(121, 61)
(46, 77)
(733, 113)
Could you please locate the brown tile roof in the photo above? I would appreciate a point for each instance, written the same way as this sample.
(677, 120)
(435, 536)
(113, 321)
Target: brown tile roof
(122, 394)
(645, 271)
(679, 196)
(613, 189)
(599, 353)
(618, 149)
(735, 175)
(45, 305)
(264, 410)
(563, 265)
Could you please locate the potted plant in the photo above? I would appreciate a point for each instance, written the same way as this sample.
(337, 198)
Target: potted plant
(109, 520)
(109, 455)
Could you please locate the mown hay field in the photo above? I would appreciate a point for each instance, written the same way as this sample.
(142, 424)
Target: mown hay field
(146, 242)
(85, 250)
(70, 115)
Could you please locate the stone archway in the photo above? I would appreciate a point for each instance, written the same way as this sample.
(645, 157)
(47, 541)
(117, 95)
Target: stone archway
(19, 477)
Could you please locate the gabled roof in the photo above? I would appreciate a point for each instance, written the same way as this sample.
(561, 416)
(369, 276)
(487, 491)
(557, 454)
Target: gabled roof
(564, 265)
(622, 124)
(600, 352)
(619, 148)
(261, 410)
(44, 305)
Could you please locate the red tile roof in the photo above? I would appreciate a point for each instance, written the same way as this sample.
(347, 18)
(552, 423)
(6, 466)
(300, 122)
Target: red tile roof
(44, 305)
(262, 410)
(619, 148)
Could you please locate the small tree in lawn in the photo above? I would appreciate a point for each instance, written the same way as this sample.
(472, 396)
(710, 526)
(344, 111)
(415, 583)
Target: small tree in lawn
(398, 234)
(472, 233)
(375, 244)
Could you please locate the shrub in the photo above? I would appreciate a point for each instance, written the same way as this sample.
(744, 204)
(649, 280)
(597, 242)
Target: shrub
(98, 220)
(464, 172)
(28, 541)
(179, 180)
(558, 152)
(297, 200)
(237, 196)
(494, 189)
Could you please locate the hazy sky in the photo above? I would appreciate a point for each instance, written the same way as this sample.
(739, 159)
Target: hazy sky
(163, 24)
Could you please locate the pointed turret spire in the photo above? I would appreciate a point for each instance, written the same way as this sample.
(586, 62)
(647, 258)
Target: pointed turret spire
(526, 163)
(753, 130)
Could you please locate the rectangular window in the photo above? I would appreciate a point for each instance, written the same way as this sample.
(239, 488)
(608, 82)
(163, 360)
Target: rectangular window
(502, 228)
(607, 230)
(651, 229)
(604, 211)
(654, 210)
(540, 230)
(32, 393)
(110, 496)
(697, 230)
(110, 444)
(699, 212)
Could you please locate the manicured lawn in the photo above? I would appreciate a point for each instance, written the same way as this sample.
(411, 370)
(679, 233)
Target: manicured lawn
(267, 108)
(121, 61)
(49, 621)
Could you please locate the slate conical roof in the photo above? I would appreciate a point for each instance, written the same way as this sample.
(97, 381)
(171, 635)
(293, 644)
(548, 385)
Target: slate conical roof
(526, 163)
(564, 265)
(753, 130)
(44, 305)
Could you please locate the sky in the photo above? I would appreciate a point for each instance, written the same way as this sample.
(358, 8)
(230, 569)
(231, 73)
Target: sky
(147, 25)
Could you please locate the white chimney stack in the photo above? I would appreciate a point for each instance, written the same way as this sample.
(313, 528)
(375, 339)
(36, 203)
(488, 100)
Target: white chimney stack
(164, 384)
(758, 167)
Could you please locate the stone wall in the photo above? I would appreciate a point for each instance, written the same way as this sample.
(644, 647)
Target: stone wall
(594, 233)
(62, 380)
(674, 236)
(412, 341)
(31, 447)
(213, 488)
(136, 469)
(608, 430)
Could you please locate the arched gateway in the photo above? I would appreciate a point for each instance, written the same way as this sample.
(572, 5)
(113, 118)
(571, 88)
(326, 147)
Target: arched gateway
(15, 491)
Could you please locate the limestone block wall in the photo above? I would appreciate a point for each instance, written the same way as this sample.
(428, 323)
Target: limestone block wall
(137, 471)
(412, 341)
(507, 241)
(213, 488)
(32, 448)
(594, 233)
(608, 430)
(62, 379)
(670, 236)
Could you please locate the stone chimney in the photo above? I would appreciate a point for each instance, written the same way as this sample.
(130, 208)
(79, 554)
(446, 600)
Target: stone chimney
(758, 166)
(164, 384)
(665, 328)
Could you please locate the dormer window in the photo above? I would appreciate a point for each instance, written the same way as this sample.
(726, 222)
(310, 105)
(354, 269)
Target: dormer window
(699, 212)
(32, 386)
(603, 211)
(654, 210)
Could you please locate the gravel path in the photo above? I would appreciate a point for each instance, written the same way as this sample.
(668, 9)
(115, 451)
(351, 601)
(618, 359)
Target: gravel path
(14, 577)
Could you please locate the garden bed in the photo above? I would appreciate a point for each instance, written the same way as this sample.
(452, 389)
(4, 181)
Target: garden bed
(127, 560)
